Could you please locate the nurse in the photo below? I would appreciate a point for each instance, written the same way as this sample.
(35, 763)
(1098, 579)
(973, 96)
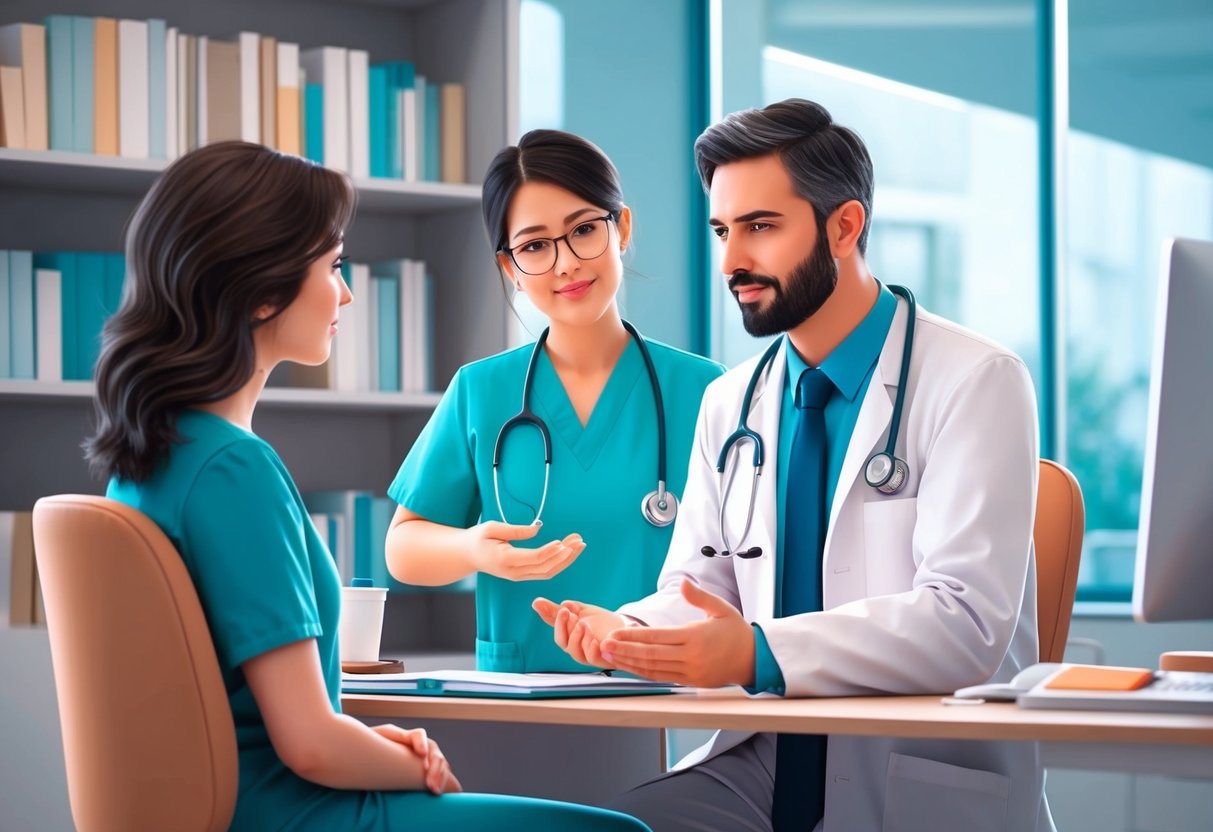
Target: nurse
(555, 216)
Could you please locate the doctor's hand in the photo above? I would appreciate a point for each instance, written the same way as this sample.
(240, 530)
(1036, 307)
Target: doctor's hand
(711, 653)
(579, 629)
(492, 551)
(438, 776)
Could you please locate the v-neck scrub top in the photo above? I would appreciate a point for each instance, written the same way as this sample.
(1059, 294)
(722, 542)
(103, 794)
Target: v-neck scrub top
(599, 475)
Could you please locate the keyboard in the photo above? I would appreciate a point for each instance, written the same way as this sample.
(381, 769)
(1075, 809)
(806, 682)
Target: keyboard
(1172, 691)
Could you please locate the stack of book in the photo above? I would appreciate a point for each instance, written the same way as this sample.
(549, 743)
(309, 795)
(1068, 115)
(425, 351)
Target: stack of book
(142, 89)
(20, 595)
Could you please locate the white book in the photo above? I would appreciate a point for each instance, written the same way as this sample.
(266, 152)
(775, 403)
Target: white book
(415, 269)
(49, 325)
(408, 134)
(350, 335)
(171, 93)
(203, 126)
(7, 527)
(329, 67)
(250, 86)
(361, 310)
(360, 116)
(495, 683)
(133, 127)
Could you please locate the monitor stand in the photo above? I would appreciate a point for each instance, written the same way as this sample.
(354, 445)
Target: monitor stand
(1192, 661)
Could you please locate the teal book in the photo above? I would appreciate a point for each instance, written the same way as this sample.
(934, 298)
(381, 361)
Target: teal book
(400, 77)
(59, 70)
(21, 315)
(364, 539)
(387, 299)
(6, 361)
(83, 38)
(64, 262)
(313, 133)
(115, 278)
(157, 72)
(433, 133)
(377, 93)
(91, 311)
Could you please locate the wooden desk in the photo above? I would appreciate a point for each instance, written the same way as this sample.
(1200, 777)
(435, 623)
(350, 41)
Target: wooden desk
(1178, 745)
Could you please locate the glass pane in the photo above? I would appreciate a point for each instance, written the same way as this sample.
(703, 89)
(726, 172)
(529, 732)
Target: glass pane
(1140, 169)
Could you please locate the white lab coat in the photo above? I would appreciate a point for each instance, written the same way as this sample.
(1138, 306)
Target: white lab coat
(925, 591)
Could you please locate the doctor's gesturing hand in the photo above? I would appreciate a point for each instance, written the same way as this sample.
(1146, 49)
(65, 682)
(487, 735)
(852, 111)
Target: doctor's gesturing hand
(716, 651)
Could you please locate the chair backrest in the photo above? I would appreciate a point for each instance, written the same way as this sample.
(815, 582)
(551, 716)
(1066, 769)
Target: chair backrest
(148, 736)
(1060, 518)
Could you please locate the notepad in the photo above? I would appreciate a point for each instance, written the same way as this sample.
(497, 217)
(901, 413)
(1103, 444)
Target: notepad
(1091, 677)
(501, 685)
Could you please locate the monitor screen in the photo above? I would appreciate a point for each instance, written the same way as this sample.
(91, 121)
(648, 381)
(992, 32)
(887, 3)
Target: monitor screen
(1174, 571)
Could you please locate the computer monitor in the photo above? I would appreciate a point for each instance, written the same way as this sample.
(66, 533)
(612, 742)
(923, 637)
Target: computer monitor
(1173, 580)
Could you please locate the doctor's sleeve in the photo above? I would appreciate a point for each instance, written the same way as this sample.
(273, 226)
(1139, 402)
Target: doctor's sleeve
(438, 477)
(244, 533)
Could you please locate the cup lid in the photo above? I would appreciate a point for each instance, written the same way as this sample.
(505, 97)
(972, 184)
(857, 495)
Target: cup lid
(362, 582)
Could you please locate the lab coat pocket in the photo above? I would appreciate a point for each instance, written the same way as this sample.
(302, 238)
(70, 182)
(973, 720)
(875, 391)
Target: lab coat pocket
(926, 796)
(888, 536)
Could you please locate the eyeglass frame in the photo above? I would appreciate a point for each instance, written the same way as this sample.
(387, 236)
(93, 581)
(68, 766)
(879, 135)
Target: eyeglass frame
(609, 215)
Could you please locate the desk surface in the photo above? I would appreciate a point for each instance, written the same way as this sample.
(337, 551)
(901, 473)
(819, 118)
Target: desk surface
(890, 716)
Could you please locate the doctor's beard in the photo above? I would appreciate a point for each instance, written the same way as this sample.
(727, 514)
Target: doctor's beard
(809, 286)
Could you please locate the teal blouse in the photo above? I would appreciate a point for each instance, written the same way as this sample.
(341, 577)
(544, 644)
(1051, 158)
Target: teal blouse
(599, 475)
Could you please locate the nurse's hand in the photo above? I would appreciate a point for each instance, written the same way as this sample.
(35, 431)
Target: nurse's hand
(579, 629)
(492, 551)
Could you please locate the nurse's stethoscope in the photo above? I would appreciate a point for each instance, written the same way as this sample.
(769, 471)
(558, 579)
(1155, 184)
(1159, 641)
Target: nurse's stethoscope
(659, 507)
(884, 471)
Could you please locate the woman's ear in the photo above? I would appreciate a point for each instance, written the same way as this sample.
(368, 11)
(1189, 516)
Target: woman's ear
(506, 264)
(624, 224)
(264, 312)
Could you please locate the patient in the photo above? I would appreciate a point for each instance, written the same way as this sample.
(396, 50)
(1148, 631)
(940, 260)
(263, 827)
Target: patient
(234, 266)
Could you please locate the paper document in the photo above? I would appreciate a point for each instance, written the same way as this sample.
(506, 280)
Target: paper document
(489, 683)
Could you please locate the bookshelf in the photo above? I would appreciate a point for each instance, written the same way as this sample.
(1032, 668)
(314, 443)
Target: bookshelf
(56, 200)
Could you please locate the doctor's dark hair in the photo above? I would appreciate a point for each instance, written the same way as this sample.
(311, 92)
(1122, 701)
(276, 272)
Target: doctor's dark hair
(226, 230)
(557, 158)
(828, 163)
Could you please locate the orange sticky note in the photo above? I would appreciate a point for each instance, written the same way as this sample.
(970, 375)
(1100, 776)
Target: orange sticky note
(1095, 677)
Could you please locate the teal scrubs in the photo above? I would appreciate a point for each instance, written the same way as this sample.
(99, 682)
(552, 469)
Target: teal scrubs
(599, 475)
(265, 580)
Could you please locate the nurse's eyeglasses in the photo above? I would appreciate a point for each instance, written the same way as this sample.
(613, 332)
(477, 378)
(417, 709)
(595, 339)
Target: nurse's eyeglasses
(587, 240)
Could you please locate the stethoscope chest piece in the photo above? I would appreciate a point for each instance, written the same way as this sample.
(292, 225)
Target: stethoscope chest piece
(885, 473)
(660, 507)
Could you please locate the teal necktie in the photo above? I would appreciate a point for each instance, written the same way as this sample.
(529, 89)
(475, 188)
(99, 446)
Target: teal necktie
(800, 758)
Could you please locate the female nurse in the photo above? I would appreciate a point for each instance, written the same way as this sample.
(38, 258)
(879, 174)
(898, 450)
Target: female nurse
(233, 266)
(475, 494)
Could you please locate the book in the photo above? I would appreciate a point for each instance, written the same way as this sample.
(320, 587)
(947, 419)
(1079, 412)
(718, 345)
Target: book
(313, 118)
(328, 67)
(20, 542)
(133, 99)
(6, 353)
(23, 45)
(105, 86)
(157, 89)
(454, 165)
(359, 114)
(269, 91)
(377, 86)
(482, 683)
(249, 45)
(222, 103)
(172, 94)
(12, 108)
(288, 114)
(60, 126)
(84, 39)
(49, 325)
(21, 314)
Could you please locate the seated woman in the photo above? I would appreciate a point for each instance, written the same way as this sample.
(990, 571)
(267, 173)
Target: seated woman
(233, 266)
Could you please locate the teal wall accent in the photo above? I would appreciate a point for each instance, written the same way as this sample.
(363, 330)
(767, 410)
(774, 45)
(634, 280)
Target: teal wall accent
(635, 83)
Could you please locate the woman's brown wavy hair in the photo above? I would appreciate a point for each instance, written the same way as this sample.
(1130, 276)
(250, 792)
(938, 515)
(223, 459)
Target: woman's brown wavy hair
(226, 230)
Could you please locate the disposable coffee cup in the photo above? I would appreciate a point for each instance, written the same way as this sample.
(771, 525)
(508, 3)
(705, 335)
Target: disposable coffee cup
(361, 621)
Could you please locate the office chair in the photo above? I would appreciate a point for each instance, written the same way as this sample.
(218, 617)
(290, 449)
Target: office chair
(147, 730)
(1060, 518)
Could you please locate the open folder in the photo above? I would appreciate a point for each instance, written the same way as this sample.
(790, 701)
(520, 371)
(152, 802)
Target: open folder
(507, 685)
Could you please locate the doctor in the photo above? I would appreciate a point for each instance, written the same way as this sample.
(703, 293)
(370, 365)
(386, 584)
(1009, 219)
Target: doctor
(847, 573)
(561, 461)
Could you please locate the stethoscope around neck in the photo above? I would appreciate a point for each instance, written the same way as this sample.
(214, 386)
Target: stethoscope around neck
(658, 507)
(884, 471)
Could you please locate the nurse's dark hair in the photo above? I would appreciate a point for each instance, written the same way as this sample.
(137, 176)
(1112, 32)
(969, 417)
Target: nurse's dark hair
(226, 230)
(557, 158)
(828, 163)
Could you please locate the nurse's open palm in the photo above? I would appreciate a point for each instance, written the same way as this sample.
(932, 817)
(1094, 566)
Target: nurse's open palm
(494, 552)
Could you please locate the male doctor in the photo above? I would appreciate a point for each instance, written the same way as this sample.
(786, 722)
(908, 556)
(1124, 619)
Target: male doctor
(847, 590)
